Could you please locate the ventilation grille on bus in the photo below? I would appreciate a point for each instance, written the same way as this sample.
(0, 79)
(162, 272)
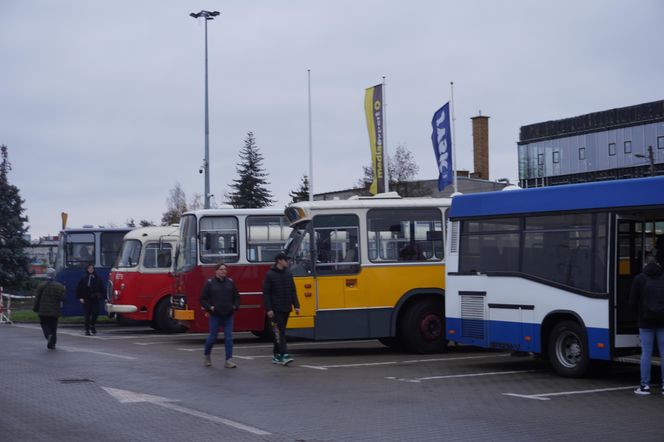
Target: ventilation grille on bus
(472, 316)
(454, 238)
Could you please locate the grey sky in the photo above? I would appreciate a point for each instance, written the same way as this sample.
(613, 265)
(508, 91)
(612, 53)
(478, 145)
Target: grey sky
(102, 102)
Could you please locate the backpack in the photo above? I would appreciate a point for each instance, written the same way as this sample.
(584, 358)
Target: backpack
(653, 299)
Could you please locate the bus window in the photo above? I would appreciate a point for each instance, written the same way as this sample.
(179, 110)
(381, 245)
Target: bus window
(156, 257)
(265, 237)
(219, 239)
(80, 249)
(490, 245)
(111, 242)
(405, 235)
(337, 248)
(130, 253)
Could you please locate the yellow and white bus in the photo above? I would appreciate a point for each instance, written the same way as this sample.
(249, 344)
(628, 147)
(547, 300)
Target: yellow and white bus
(370, 268)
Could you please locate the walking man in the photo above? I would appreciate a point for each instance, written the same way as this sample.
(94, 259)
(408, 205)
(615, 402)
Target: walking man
(280, 297)
(50, 295)
(220, 300)
(89, 292)
(647, 297)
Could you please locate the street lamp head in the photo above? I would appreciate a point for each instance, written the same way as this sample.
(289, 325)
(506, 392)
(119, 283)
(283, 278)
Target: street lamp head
(207, 15)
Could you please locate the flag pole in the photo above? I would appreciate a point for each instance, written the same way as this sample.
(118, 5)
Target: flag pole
(386, 178)
(311, 149)
(454, 175)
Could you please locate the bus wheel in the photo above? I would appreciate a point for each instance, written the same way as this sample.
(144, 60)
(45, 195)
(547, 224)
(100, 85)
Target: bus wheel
(162, 318)
(423, 329)
(568, 349)
(267, 333)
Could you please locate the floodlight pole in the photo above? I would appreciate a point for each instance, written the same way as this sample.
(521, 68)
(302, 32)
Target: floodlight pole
(207, 15)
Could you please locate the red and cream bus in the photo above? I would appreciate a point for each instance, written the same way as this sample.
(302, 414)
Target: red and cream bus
(247, 240)
(141, 282)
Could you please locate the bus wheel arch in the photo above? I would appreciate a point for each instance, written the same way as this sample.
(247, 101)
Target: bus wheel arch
(419, 323)
(565, 343)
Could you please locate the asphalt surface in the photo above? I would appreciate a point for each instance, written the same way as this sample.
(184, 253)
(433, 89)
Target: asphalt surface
(132, 384)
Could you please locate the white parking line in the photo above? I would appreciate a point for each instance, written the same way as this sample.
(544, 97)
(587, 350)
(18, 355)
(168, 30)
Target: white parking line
(545, 396)
(409, 361)
(454, 376)
(102, 353)
(296, 344)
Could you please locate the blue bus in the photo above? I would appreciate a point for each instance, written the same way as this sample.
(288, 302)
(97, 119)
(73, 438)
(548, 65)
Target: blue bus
(79, 247)
(548, 270)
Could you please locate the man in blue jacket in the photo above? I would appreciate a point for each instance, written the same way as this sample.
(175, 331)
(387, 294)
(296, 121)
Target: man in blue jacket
(220, 300)
(280, 297)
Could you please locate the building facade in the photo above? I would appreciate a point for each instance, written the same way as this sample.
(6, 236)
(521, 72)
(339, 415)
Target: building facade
(618, 143)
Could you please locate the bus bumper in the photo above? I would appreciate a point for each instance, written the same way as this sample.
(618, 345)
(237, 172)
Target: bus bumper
(119, 308)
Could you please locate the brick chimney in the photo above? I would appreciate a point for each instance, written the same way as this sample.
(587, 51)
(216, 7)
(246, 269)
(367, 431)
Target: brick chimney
(481, 146)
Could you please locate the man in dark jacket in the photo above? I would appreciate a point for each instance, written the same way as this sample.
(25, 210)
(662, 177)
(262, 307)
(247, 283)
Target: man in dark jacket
(647, 297)
(280, 297)
(220, 300)
(50, 295)
(90, 291)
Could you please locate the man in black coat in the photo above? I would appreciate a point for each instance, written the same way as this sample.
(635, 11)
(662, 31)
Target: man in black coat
(90, 291)
(48, 305)
(280, 297)
(647, 297)
(220, 300)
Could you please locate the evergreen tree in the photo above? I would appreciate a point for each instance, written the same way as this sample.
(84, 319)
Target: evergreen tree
(249, 190)
(176, 205)
(13, 260)
(302, 193)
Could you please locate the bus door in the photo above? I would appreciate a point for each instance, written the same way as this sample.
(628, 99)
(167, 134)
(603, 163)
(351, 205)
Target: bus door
(341, 295)
(305, 284)
(635, 239)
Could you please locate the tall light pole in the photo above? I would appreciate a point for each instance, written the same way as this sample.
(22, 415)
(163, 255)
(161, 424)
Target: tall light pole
(206, 15)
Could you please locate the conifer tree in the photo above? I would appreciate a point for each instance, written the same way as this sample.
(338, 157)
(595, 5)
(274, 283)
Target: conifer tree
(249, 190)
(13, 260)
(302, 193)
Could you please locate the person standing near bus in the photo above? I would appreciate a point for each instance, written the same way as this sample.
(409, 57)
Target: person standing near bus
(280, 297)
(48, 305)
(647, 297)
(89, 292)
(220, 299)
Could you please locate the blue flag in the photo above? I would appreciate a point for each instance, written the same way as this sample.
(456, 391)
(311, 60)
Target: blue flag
(442, 145)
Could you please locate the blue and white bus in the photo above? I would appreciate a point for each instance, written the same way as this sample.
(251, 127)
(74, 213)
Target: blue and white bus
(548, 270)
(79, 247)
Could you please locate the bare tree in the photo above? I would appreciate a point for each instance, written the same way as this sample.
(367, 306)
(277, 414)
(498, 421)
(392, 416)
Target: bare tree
(176, 205)
(402, 170)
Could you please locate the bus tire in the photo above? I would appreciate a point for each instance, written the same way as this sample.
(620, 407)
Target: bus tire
(568, 349)
(423, 328)
(162, 318)
(267, 333)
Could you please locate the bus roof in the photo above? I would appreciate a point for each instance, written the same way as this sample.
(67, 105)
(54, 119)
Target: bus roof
(94, 229)
(637, 192)
(153, 232)
(232, 212)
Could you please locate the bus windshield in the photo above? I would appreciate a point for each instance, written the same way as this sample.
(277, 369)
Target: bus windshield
(130, 253)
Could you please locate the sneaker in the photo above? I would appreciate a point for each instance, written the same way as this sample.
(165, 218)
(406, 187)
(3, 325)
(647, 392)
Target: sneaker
(286, 359)
(208, 361)
(276, 359)
(51, 342)
(87, 333)
(94, 331)
(643, 389)
(229, 364)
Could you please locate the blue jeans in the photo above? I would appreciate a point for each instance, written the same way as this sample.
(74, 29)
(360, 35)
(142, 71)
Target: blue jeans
(647, 342)
(214, 322)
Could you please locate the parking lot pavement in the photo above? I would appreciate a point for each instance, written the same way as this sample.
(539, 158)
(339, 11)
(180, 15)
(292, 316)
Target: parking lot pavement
(130, 383)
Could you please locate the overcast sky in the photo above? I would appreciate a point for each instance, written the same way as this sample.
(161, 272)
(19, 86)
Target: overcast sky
(101, 102)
